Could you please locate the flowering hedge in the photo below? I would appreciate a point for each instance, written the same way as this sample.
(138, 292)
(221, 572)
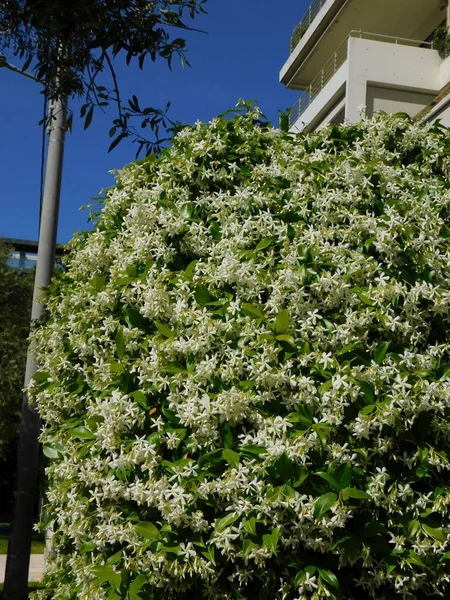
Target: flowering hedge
(245, 371)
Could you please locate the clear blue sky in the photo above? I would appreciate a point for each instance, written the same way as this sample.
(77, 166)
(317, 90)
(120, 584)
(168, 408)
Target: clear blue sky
(245, 45)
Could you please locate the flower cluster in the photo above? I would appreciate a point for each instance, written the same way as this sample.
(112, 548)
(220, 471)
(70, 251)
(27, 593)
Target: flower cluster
(245, 371)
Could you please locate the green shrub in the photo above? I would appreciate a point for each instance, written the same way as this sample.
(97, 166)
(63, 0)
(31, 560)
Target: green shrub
(441, 41)
(245, 372)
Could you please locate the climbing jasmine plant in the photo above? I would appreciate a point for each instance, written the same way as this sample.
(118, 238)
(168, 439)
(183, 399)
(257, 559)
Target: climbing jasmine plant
(245, 371)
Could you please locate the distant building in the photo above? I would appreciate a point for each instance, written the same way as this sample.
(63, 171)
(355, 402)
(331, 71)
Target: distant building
(381, 55)
(24, 252)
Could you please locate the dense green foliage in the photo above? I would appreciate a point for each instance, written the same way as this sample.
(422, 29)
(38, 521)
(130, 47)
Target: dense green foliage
(16, 289)
(245, 372)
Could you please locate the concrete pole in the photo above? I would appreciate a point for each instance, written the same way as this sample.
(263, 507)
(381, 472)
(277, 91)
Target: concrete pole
(26, 497)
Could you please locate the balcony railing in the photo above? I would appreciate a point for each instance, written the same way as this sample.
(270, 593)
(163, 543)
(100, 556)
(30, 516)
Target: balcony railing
(336, 61)
(307, 19)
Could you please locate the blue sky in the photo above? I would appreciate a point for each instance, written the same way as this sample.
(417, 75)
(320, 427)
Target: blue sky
(240, 55)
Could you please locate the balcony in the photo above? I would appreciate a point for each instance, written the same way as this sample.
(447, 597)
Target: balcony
(327, 22)
(362, 64)
(305, 23)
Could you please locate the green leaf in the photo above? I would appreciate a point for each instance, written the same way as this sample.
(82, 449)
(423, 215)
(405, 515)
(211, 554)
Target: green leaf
(367, 390)
(105, 573)
(231, 457)
(189, 271)
(435, 532)
(224, 522)
(284, 468)
(286, 338)
(87, 547)
(187, 211)
(98, 283)
(354, 493)
(301, 575)
(367, 410)
(210, 554)
(52, 452)
(264, 243)
(137, 584)
(250, 526)
(175, 367)
(321, 430)
(415, 559)
(115, 558)
(133, 318)
(171, 549)
(362, 296)
(252, 311)
(271, 540)
(120, 343)
(343, 476)
(41, 376)
(323, 504)
(147, 530)
(305, 415)
(165, 330)
(329, 479)
(141, 399)
(413, 528)
(330, 578)
(202, 294)
(226, 435)
(282, 322)
(82, 433)
(445, 370)
(247, 546)
(380, 352)
(252, 450)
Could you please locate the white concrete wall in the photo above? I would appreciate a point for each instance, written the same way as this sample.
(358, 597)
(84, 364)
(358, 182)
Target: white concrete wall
(445, 72)
(441, 112)
(388, 65)
(393, 100)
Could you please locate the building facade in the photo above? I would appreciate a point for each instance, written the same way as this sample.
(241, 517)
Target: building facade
(24, 253)
(353, 57)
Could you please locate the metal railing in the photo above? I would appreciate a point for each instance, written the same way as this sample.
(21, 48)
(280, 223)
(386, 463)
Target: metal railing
(306, 20)
(336, 61)
(319, 82)
(390, 39)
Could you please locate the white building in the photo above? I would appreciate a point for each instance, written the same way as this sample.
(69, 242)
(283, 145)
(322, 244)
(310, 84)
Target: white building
(381, 54)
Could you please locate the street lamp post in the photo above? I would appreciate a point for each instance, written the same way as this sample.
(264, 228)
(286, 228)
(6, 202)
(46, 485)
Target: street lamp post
(19, 544)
